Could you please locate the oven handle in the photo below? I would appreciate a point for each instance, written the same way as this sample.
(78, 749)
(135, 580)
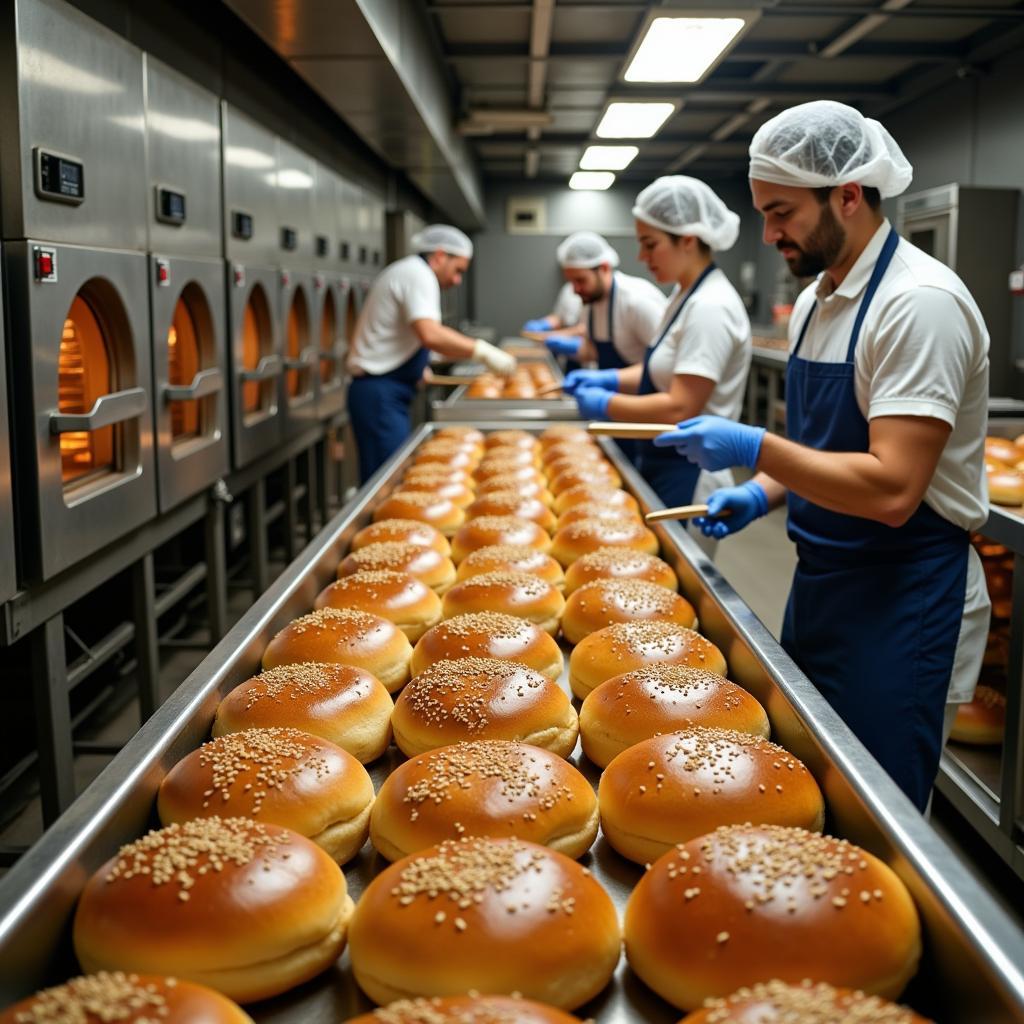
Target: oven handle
(108, 410)
(267, 368)
(204, 383)
(303, 361)
(335, 354)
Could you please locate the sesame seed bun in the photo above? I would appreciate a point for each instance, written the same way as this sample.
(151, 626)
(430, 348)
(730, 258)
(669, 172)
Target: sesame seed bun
(602, 473)
(512, 503)
(458, 492)
(1002, 450)
(592, 459)
(619, 564)
(426, 506)
(1006, 487)
(451, 454)
(595, 490)
(397, 596)
(530, 487)
(595, 510)
(459, 432)
(487, 530)
(498, 439)
(602, 602)
(466, 1010)
(564, 433)
(511, 558)
(406, 531)
(513, 593)
(435, 470)
(586, 535)
(426, 564)
(587, 449)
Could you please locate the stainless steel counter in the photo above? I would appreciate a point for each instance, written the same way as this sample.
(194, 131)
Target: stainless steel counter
(974, 956)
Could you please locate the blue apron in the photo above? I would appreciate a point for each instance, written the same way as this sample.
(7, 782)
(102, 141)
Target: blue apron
(673, 478)
(874, 613)
(608, 357)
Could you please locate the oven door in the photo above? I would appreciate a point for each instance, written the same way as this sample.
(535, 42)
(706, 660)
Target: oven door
(300, 331)
(933, 234)
(337, 326)
(82, 385)
(190, 376)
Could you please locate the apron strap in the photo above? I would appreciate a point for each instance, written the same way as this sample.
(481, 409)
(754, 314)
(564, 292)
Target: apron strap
(611, 316)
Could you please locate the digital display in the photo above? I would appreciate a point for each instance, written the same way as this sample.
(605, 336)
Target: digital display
(363, 254)
(170, 206)
(343, 250)
(321, 246)
(59, 177)
(289, 239)
(241, 224)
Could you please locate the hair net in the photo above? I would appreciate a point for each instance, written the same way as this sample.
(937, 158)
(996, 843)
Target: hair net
(686, 206)
(824, 143)
(444, 237)
(583, 250)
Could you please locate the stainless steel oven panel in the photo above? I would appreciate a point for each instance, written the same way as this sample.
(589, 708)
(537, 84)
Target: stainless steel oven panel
(60, 530)
(971, 970)
(190, 466)
(332, 395)
(183, 149)
(8, 577)
(325, 219)
(293, 193)
(249, 154)
(252, 437)
(300, 411)
(348, 198)
(72, 88)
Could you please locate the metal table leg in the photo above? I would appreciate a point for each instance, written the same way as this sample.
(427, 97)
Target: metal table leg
(147, 650)
(216, 570)
(53, 718)
(257, 528)
(291, 518)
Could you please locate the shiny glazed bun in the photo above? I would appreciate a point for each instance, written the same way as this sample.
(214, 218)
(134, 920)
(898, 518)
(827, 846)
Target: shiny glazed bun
(602, 602)
(466, 1010)
(497, 788)
(588, 459)
(1006, 487)
(483, 699)
(626, 646)
(637, 705)
(458, 492)
(671, 789)
(344, 637)
(531, 487)
(438, 923)
(770, 902)
(445, 444)
(248, 909)
(1002, 450)
(595, 510)
(775, 1002)
(570, 449)
(619, 564)
(513, 593)
(563, 433)
(597, 491)
(426, 564)
(346, 705)
(426, 506)
(128, 999)
(511, 558)
(981, 721)
(405, 531)
(498, 439)
(489, 635)
(459, 432)
(603, 474)
(512, 503)
(278, 776)
(586, 535)
(398, 596)
(484, 531)
(507, 460)
(450, 454)
(502, 469)
(435, 470)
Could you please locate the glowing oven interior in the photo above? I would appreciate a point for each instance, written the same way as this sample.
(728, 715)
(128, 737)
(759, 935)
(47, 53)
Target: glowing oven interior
(184, 360)
(257, 396)
(299, 382)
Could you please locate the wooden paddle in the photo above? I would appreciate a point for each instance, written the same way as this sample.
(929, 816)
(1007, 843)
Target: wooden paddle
(448, 381)
(683, 512)
(550, 389)
(634, 430)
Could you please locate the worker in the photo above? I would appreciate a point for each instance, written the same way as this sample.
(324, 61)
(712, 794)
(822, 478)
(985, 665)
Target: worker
(698, 353)
(399, 326)
(566, 316)
(882, 470)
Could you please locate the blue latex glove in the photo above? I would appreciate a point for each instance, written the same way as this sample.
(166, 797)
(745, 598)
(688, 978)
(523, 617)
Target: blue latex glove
(540, 324)
(744, 504)
(565, 345)
(714, 442)
(607, 380)
(593, 402)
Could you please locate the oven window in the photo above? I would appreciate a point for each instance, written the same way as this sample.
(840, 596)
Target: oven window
(257, 396)
(183, 363)
(299, 381)
(328, 338)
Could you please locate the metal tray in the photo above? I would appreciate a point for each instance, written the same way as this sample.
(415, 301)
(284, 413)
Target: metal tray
(972, 964)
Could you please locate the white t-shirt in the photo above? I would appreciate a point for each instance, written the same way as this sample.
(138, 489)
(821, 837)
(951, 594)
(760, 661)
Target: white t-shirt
(637, 311)
(568, 306)
(405, 291)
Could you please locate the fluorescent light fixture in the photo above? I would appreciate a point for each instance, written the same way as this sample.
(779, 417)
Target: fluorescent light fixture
(593, 181)
(633, 120)
(607, 158)
(686, 47)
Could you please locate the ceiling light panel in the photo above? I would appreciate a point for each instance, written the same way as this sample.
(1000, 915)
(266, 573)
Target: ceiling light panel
(607, 158)
(592, 181)
(628, 120)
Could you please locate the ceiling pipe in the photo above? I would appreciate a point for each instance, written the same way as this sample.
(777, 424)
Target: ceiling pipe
(862, 28)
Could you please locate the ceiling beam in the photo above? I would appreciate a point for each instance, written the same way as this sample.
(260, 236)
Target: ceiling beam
(862, 27)
(769, 9)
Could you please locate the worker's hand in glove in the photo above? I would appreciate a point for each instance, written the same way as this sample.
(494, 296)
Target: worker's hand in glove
(593, 402)
(607, 380)
(540, 324)
(493, 358)
(566, 345)
(744, 504)
(714, 442)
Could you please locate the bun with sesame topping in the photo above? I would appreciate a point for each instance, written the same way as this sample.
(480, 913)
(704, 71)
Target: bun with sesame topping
(586, 449)
(595, 510)
(426, 506)
(449, 454)
(532, 487)
(511, 558)
(399, 597)
(466, 1010)
(619, 564)
(564, 433)
(459, 432)
(251, 910)
(514, 593)
(586, 535)
(281, 776)
(458, 492)
(504, 460)
(749, 902)
(595, 490)
(406, 531)
(128, 999)
(602, 602)
(344, 637)
(512, 503)
(484, 531)
(426, 564)
(601, 473)
(487, 915)
(498, 439)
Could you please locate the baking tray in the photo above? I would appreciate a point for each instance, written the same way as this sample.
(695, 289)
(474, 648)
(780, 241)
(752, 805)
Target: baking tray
(971, 969)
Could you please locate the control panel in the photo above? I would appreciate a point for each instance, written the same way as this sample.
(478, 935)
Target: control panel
(170, 206)
(241, 224)
(58, 177)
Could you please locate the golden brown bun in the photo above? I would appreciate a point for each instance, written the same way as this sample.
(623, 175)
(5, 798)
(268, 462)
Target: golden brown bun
(450, 455)
(1006, 487)
(489, 635)
(128, 999)
(560, 946)
(344, 637)
(626, 646)
(591, 460)
(619, 564)
(398, 596)
(434, 471)
(570, 449)
(447, 444)
(458, 493)
(485, 699)
(563, 433)
(402, 531)
(658, 699)
(459, 432)
(483, 389)
(519, 390)
(506, 460)
(597, 491)
(511, 558)
(586, 535)
(271, 916)
(595, 510)
(601, 473)
(770, 902)
(484, 531)
(602, 602)
(1002, 450)
(442, 514)
(981, 721)
(498, 439)
(509, 472)
(775, 1002)
(277, 776)
(497, 788)
(512, 503)
(346, 705)
(426, 564)
(671, 789)
(466, 1010)
(514, 593)
(533, 487)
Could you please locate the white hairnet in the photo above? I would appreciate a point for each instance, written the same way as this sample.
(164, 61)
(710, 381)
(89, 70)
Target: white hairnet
(824, 143)
(444, 237)
(583, 250)
(686, 206)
